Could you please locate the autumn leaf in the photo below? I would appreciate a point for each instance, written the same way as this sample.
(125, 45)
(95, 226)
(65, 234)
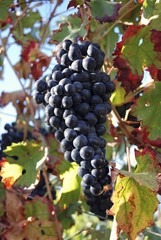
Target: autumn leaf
(104, 11)
(30, 220)
(134, 206)
(14, 207)
(24, 169)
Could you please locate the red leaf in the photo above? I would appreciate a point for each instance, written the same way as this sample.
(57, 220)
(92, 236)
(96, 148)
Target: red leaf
(142, 136)
(155, 38)
(27, 50)
(72, 3)
(129, 80)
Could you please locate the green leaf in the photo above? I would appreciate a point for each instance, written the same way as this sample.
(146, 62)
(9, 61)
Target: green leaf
(104, 11)
(147, 169)
(135, 51)
(71, 183)
(38, 208)
(28, 155)
(30, 18)
(145, 178)
(148, 8)
(134, 206)
(149, 110)
(4, 7)
(71, 28)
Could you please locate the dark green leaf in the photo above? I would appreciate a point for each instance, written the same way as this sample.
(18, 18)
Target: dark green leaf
(4, 7)
(104, 11)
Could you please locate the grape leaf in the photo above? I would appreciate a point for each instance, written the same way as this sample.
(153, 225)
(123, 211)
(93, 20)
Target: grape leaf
(14, 208)
(71, 183)
(10, 173)
(28, 155)
(147, 169)
(4, 6)
(130, 80)
(148, 105)
(134, 206)
(148, 8)
(104, 11)
(74, 3)
(40, 208)
(41, 230)
(71, 28)
(135, 50)
(30, 18)
(36, 223)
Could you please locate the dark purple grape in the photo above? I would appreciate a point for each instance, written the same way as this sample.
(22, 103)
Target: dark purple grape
(66, 44)
(94, 142)
(70, 134)
(57, 75)
(67, 102)
(60, 53)
(74, 52)
(55, 101)
(96, 189)
(88, 179)
(89, 64)
(65, 145)
(70, 89)
(67, 156)
(59, 135)
(87, 152)
(54, 122)
(91, 118)
(92, 51)
(77, 65)
(65, 60)
(82, 171)
(39, 97)
(75, 154)
(71, 121)
(80, 141)
(41, 86)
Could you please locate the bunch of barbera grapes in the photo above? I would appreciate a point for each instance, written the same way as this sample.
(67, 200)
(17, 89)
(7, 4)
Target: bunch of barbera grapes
(75, 97)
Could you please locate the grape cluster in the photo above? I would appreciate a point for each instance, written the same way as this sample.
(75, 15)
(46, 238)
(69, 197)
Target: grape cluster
(75, 96)
(41, 190)
(14, 134)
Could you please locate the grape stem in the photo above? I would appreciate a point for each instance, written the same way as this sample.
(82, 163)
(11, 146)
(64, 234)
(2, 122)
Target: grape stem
(123, 127)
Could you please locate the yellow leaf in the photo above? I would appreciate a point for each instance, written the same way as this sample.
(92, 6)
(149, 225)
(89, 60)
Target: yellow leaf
(134, 206)
(10, 173)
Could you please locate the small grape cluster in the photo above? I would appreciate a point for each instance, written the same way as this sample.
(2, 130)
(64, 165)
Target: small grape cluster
(75, 96)
(14, 134)
(41, 190)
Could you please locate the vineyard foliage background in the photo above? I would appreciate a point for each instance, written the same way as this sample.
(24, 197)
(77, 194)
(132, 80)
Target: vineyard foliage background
(129, 32)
